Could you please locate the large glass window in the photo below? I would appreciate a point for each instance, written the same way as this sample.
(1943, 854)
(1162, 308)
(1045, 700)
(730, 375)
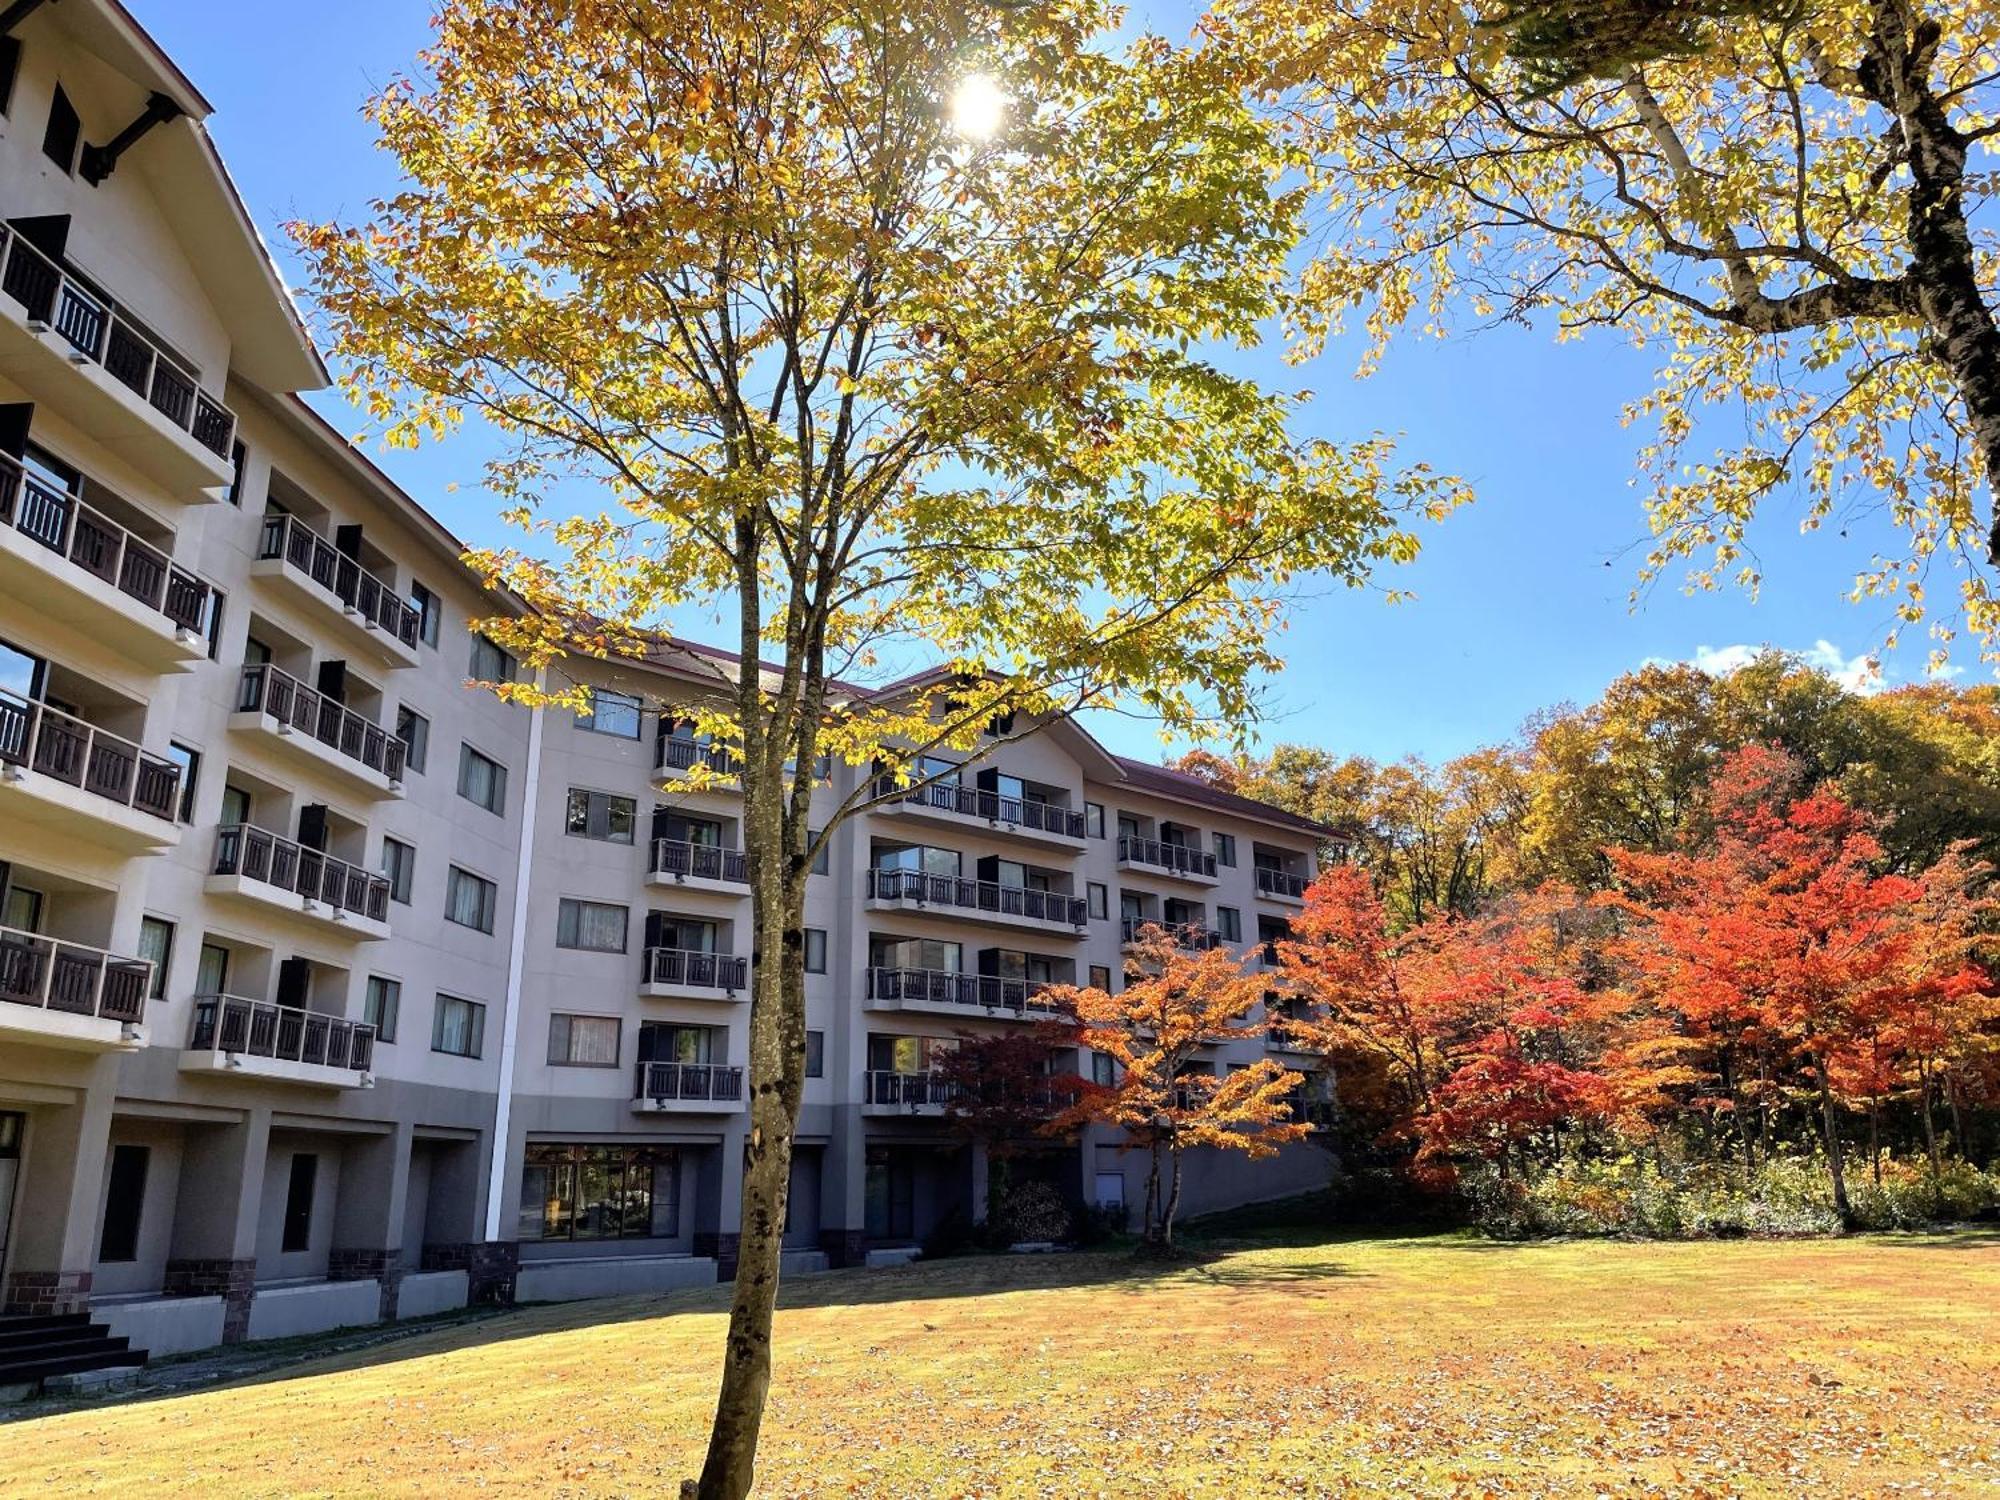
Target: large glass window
(600, 815)
(599, 1193)
(583, 1041)
(458, 1027)
(430, 610)
(914, 953)
(490, 663)
(481, 779)
(664, 1041)
(612, 713)
(156, 946)
(414, 730)
(906, 1054)
(380, 1005)
(469, 900)
(594, 926)
(399, 863)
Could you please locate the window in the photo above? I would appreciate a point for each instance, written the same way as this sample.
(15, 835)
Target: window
(124, 1196)
(216, 600)
(490, 663)
(458, 1027)
(599, 815)
(469, 900)
(815, 950)
(1099, 897)
(414, 730)
(299, 1202)
(822, 854)
(235, 806)
(430, 610)
(211, 970)
(1225, 849)
(815, 1054)
(59, 141)
(611, 713)
(583, 1041)
(10, 66)
(592, 926)
(237, 457)
(156, 946)
(22, 909)
(599, 1193)
(399, 863)
(1229, 922)
(481, 780)
(189, 760)
(1104, 1069)
(1100, 977)
(1093, 819)
(379, 1005)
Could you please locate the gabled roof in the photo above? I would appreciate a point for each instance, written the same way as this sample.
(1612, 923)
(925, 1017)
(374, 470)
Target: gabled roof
(1164, 781)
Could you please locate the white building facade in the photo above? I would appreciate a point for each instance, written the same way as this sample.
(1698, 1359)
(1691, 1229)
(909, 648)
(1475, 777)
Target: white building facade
(333, 989)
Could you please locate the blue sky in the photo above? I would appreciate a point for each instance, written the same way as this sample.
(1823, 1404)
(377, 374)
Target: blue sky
(1523, 598)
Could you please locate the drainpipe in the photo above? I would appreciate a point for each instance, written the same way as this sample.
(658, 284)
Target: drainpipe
(517, 944)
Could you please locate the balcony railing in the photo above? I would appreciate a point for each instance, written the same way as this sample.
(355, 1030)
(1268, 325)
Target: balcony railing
(1186, 934)
(912, 1090)
(1280, 883)
(977, 895)
(258, 854)
(1044, 817)
(672, 753)
(71, 978)
(973, 991)
(677, 857)
(718, 1082)
(101, 547)
(97, 332)
(267, 690)
(702, 971)
(344, 579)
(283, 1033)
(66, 749)
(1178, 858)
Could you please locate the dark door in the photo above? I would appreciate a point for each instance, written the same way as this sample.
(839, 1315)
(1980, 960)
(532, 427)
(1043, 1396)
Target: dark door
(347, 541)
(312, 826)
(294, 982)
(332, 681)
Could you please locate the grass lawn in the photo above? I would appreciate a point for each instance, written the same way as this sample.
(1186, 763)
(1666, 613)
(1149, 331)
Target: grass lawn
(1436, 1366)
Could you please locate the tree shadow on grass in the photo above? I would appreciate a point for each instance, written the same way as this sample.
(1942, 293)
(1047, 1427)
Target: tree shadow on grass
(1115, 1271)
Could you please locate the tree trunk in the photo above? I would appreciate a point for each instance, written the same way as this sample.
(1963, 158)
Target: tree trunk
(1930, 1123)
(1875, 1140)
(1835, 1165)
(1173, 1200)
(1151, 1226)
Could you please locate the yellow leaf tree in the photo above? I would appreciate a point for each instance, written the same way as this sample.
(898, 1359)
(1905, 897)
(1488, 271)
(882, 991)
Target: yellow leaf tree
(886, 334)
(1177, 1003)
(1784, 199)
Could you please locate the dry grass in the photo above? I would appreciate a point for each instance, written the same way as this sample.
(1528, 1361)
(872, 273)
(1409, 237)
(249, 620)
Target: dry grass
(1419, 1367)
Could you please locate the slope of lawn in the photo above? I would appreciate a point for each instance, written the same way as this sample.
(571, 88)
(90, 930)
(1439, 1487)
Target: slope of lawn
(1433, 1366)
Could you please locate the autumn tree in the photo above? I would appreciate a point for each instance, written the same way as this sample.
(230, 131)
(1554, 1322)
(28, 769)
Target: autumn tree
(875, 333)
(1177, 1004)
(1002, 1091)
(1781, 198)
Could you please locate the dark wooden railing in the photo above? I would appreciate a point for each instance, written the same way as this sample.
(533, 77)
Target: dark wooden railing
(686, 861)
(67, 749)
(978, 895)
(1280, 883)
(260, 855)
(266, 690)
(705, 971)
(71, 978)
(284, 1033)
(339, 576)
(1186, 934)
(1177, 858)
(948, 987)
(101, 547)
(673, 753)
(910, 1090)
(972, 802)
(717, 1082)
(96, 331)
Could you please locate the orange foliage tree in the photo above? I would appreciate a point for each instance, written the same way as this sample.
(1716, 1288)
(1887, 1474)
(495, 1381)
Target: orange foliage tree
(1178, 1002)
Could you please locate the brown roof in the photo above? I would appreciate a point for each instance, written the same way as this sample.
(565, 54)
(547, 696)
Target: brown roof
(1167, 782)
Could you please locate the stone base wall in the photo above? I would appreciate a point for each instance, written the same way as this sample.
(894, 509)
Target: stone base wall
(234, 1281)
(370, 1264)
(43, 1294)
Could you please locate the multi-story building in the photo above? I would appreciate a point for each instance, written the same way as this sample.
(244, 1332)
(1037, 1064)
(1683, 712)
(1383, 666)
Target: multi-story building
(334, 989)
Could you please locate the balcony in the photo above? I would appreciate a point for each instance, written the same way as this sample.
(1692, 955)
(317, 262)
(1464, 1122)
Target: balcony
(672, 1088)
(64, 772)
(279, 875)
(948, 993)
(1281, 885)
(316, 730)
(77, 355)
(1137, 856)
(372, 615)
(256, 1039)
(1190, 935)
(684, 974)
(699, 867)
(677, 762)
(964, 806)
(71, 996)
(977, 901)
(922, 1094)
(63, 559)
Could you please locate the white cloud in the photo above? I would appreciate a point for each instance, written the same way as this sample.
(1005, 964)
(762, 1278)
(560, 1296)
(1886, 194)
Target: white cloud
(1858, 674)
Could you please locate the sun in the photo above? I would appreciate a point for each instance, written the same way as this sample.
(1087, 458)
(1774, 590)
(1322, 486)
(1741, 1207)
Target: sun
(978, 107)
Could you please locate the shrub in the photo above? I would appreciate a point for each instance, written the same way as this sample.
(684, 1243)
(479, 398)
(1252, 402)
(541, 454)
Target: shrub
(1034, 1211)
